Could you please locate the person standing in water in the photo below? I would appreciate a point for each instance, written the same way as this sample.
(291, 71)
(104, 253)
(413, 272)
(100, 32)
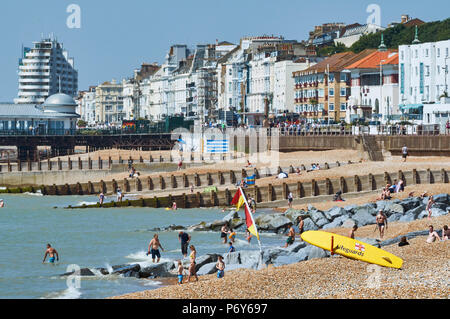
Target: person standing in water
(184, 239)
(101, 198)
(224, 233)
(153, 248)
(2, 204)
(51, 252)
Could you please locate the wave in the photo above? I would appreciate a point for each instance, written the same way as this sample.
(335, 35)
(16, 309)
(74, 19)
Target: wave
(33, 194)
(69, 293)
(85, 203)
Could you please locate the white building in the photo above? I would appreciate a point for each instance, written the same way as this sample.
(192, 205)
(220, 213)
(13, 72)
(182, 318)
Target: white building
(424, 75)
(353, 33)
(86, 106)
(44, 70)
(374, 87)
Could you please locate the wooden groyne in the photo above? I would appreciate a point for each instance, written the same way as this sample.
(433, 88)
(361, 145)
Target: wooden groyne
(272, 193)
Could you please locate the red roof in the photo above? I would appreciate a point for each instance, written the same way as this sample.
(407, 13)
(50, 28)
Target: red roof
(373, 61)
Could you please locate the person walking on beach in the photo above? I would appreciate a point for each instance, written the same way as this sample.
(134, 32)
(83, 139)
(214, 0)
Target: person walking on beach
(119, 194)
(381, 221)
(223, 233)
(180, 272)
(220, 267)
(429, 205)
(291, 236)
(290, 199)
(192, 270)
(404, 153)
(184, 239)
(51, 252)
(101, 198)
(153, 248)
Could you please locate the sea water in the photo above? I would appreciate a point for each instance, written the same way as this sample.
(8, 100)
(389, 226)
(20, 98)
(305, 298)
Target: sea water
(90, 238)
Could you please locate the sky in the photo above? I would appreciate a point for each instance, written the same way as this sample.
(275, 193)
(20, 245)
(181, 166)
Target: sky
(116, 37)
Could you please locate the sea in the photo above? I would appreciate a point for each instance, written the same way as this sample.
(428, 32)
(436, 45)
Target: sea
(92, 238)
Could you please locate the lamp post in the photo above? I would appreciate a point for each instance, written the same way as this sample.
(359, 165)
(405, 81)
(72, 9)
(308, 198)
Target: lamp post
(381, 89)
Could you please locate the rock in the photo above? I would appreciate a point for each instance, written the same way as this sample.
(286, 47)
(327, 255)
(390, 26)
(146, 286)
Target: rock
(231, 216)
(272, 222)
(322, 222)
(408, 217)
(409, 236)
(84, 272)
(207, 269)
(393, 208)
(381, 204)
(174, 228)
(349, 208)
(394, 217)
(296, 246)
(337, 222)
(198, 227)
(442, 198)
(437, 212)
(316, 216)
(410, 203)
(308, 224)
(232, 258)
(206, 259)
(316, 252)
(126, 269)
(441, 206)
(422, 215)
(250, 258)
(364, 217)
(215, 225)
(364, 210)
(293, 214)
(416, 211)
(157, 270)
(334, 212)
(349, 223)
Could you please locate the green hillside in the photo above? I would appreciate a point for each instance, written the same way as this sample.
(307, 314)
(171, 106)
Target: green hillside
(393, 37)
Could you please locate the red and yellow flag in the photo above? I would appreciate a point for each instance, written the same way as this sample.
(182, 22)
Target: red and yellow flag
(239, 200)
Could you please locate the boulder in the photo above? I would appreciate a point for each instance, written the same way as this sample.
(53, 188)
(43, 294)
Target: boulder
(417, 210)
(250, 258)
(230, 216)
(364, 217)
(394, 217)
(84, 272)
(206, 259)
(316, 252)
(308, 224)
(293, 214)
(337, 222)
(207, 269)
(335, 212)
(363, 210)
(162, 269)
(393, 208)
(442, 198)
(437, 212)
(232, 258)
(198, 227)
(349, 208)
(410, 203)
(272, 222)
(125, 269)
(317, 215)
(408, 217)
(174, 228)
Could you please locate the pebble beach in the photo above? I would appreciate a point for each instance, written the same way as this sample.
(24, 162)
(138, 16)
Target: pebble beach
(425, 275)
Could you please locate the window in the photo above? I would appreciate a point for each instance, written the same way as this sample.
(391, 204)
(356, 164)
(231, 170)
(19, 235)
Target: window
(331, 92)
(438, 52)
(331, 107)
(331, 77)
(343, 106)
(343, 77)
(343, 92)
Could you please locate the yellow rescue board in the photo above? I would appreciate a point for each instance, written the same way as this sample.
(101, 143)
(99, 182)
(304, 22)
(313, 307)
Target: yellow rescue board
(351, 248)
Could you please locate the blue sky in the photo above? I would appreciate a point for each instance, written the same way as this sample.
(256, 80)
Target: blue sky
(117, 36)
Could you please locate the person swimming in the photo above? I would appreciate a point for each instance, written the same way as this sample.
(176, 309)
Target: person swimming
(51, 252)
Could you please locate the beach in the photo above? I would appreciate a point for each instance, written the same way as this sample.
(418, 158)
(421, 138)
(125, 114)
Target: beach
(425, 274)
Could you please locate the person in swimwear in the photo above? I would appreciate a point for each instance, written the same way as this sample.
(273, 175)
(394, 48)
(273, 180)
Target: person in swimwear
(153, 248)
(192, 271)
(223, 233)
(432, 235)
(2, 204)
(232, 236)
(429, 205)
(291, 236)
(220, 267)
(352, 232)
(51, 252)
(180, 272)
(381, 221)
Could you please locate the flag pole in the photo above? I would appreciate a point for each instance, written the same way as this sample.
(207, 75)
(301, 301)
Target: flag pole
(251, 216)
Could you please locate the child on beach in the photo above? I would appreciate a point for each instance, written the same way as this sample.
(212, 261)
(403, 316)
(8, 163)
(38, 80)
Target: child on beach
(220, 267)
(232, 236)
(231, 249)
(180, 272)
(429, 205)
(248, 236)
(291, 236)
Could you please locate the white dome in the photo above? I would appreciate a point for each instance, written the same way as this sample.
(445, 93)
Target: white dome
(60, 99)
